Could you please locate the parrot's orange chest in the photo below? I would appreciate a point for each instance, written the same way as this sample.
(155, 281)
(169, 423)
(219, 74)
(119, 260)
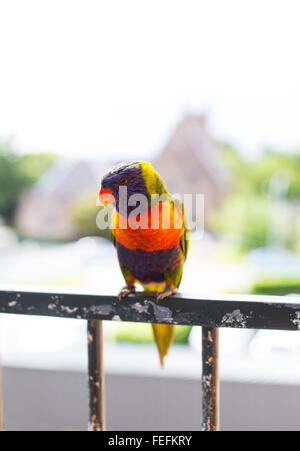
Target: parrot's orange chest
(157, 231)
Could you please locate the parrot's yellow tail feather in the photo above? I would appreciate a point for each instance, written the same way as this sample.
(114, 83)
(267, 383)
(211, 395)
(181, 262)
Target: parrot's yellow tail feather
(163, 335)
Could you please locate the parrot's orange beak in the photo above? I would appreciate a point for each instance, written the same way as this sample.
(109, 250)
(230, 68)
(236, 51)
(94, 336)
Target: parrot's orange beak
(106, 196)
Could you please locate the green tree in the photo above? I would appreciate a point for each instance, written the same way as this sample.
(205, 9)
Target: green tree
(11, 181)
(33, 166)
(16, 174)
(244, 219)
(245, 213)
(254, 176)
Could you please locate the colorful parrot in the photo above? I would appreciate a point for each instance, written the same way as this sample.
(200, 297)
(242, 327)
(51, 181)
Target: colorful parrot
(151, 255)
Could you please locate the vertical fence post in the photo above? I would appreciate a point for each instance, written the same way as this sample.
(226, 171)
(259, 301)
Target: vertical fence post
(1, 400)
(96, 375)
(210, 379)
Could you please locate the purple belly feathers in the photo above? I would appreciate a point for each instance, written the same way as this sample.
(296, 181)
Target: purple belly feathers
(148, 266)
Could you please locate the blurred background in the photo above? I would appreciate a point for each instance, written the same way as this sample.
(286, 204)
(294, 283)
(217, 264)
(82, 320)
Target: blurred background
(208, 91)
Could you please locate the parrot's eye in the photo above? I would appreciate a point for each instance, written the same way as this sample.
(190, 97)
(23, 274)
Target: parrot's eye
(123, 181)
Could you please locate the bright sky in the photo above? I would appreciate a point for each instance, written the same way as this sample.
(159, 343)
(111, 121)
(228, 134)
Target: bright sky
(113, 77)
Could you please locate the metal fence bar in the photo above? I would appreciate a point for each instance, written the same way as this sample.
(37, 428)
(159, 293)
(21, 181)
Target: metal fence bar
(96, 376)
(1, 401)
(210, 379)
(238, 311)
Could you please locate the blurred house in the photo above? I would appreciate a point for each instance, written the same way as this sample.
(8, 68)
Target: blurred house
(45, 211)
(190, 163)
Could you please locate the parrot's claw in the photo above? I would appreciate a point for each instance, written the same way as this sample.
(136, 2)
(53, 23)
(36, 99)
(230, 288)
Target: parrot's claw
(126, 291)
(165, 294)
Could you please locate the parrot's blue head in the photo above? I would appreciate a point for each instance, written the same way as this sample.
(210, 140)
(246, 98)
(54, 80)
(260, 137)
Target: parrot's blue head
(127, 175)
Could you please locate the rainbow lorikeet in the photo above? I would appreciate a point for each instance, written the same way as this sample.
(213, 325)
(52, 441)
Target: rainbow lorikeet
(150, 253)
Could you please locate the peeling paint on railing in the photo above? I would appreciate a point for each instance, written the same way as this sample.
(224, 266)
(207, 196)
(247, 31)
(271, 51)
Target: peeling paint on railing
(255, 312)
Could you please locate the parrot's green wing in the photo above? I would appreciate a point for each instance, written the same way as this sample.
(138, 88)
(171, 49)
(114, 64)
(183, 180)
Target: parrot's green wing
(185, 240)
(175, 274)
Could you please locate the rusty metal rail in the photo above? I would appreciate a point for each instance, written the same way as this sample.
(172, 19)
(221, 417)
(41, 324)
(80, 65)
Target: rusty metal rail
(210, 379)
(210, 312)
(96, 376)
(1, 406)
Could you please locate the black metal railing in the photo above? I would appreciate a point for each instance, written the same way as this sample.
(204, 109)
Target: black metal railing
(210, 312)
